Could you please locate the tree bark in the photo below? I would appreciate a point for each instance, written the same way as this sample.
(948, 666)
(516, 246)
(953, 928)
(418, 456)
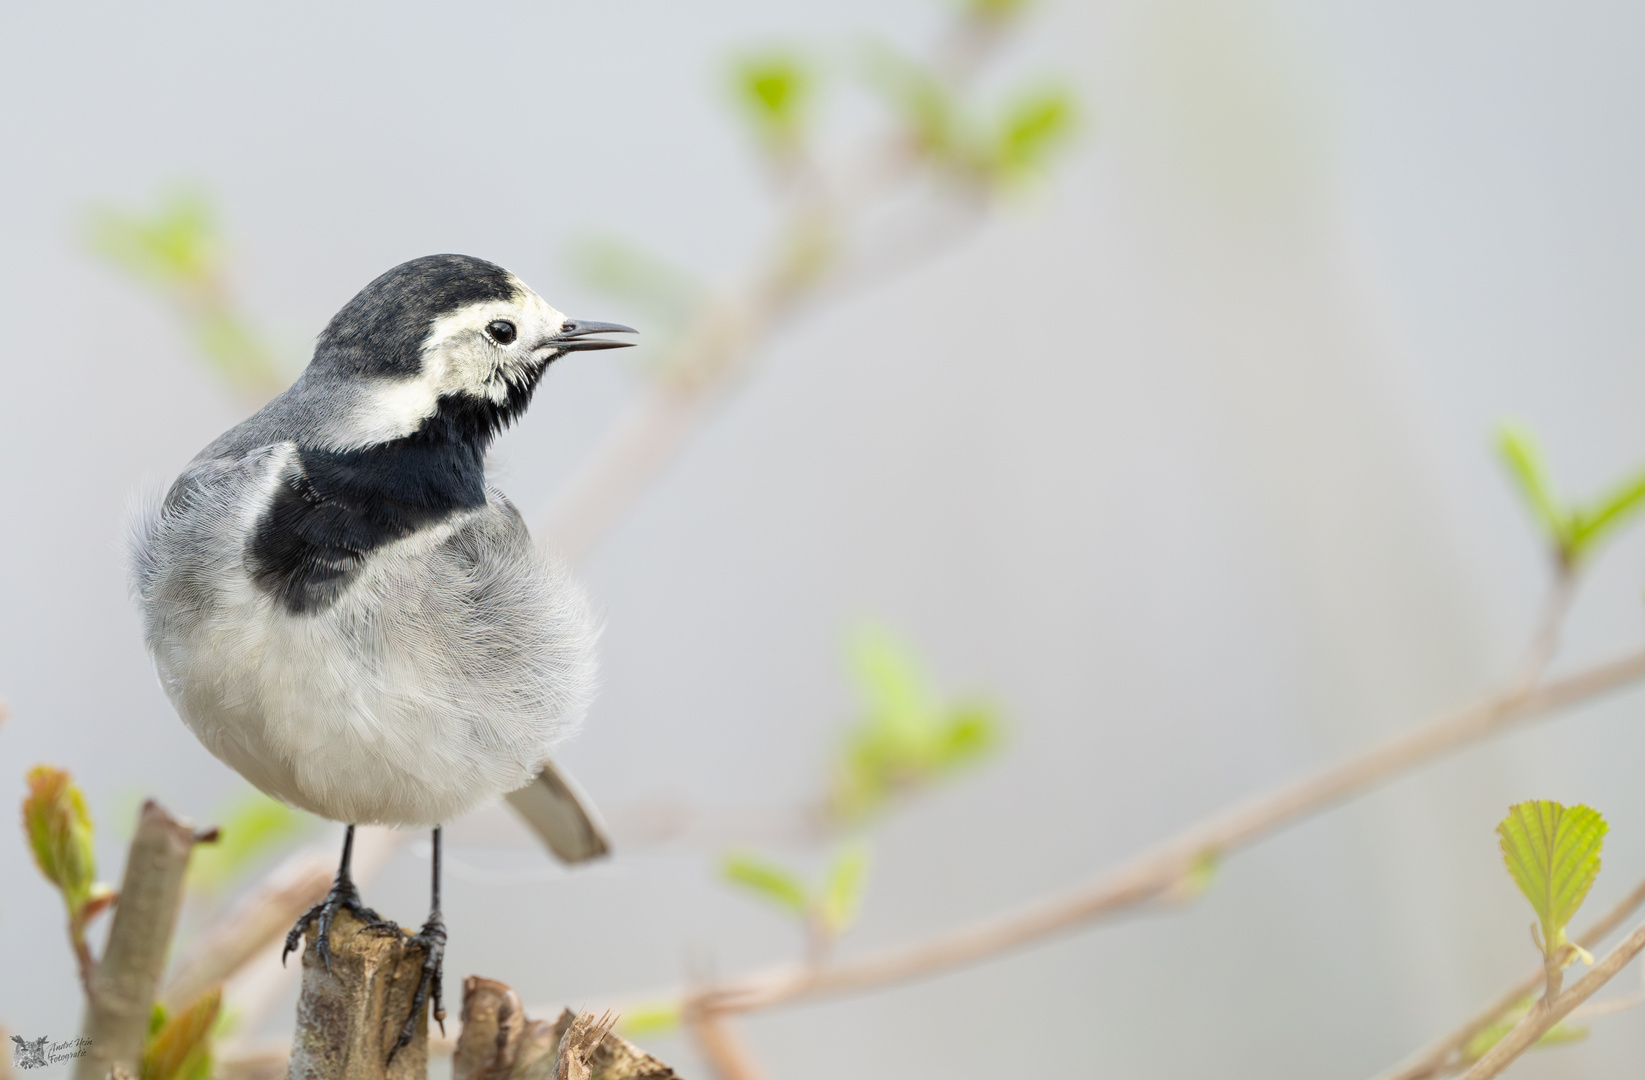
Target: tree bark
(499, 1042)
(349, 1018)
(123, 984)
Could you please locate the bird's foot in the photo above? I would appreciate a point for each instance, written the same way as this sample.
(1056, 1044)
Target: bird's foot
(342, 897)
(432, 939)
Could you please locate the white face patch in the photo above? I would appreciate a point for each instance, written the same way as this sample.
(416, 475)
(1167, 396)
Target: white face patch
(459, 357)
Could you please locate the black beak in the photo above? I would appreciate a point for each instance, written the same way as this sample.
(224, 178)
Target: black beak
(573, 335)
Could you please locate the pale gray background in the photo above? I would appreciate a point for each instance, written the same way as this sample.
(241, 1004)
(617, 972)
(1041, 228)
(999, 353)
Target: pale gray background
(1184, 459)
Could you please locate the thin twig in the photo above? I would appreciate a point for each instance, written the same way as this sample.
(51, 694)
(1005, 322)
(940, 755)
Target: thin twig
(728, 1055)
(709, 358)
(1153, 873)
(1545, 642)
(804, 261)
(1436, 1059)
(1545, 1014)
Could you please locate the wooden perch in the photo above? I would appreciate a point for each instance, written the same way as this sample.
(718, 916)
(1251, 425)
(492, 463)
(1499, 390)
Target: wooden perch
(349, 1018)
(124, 982)
(499, 1042)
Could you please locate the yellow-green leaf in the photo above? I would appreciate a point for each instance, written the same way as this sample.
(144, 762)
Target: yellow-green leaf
(175, 246)
(249, 826)
(775, 90)
(906, 738)
(1523, 458)
(181, 1049)
(176, 250)
(843, 887)
(774, 883)
(654, 1018)
(1552, 853)
(60, 835)
(996, 10)
(1590, 524)
(1034, 126)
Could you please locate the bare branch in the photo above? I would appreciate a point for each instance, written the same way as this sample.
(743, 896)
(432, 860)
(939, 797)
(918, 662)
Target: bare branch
(1154, 873)
(124, 982)
(1542, 1018)
(728, 1055)
(1438, 1058)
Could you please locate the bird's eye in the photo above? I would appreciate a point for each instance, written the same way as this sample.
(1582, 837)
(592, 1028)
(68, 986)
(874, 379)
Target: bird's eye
(502, 331)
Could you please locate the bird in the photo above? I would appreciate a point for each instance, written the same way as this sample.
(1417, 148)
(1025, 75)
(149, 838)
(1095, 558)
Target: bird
(342, 609)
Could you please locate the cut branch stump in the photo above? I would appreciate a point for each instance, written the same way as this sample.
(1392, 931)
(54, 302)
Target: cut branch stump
(349, 1018)
(499, 1042)
(124, 982)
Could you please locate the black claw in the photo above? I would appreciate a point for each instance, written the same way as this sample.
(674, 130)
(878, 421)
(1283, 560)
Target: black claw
(432, 938)
(342, 897)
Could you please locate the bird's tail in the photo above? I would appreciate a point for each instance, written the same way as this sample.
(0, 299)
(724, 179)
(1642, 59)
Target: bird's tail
(562, 816)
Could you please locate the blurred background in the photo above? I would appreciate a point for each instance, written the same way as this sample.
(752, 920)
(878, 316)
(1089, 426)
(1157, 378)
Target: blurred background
(1178, 455)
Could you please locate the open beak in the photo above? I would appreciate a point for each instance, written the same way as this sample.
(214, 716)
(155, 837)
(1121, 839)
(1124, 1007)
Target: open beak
(573, 335)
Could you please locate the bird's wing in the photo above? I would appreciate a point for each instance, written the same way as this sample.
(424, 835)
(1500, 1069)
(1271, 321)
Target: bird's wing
(562, 816)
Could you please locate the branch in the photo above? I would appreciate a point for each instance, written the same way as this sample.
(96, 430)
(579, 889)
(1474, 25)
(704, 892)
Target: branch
(804, 259)
(123, 985)
(1545, 1014)
(349, 1017)
(1437, 1059)
(254, 925)
(715, 350)
(1155, 873)
(725, 1050)
(499, 1042)
(273, 905)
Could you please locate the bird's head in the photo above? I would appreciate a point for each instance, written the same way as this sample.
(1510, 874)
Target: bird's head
(447, 346)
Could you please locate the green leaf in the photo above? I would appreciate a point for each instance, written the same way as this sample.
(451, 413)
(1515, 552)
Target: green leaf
(996, 10)
(1202, 873)
(965, 734)
(1573, 531)
(181, 1048)
(177, 251)
(614, 266)
(907, 738)
(1038, 123)
(1591, 524)
(249, 826)
(894, 687)
(176, 245)
(650, 1019)
(775, 91)
(1552, 852)
(843, 887)
(913, 91)
(59, 832)
(774, 883)
(1523, 458)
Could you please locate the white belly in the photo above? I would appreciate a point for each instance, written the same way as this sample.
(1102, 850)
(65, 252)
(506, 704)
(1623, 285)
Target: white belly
(398, 705)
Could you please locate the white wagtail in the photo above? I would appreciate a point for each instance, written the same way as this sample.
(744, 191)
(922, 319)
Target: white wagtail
(341, 608)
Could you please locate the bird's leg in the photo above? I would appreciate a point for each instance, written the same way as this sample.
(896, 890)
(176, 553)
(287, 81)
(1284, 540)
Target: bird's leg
(342, 897)
(432, 937)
